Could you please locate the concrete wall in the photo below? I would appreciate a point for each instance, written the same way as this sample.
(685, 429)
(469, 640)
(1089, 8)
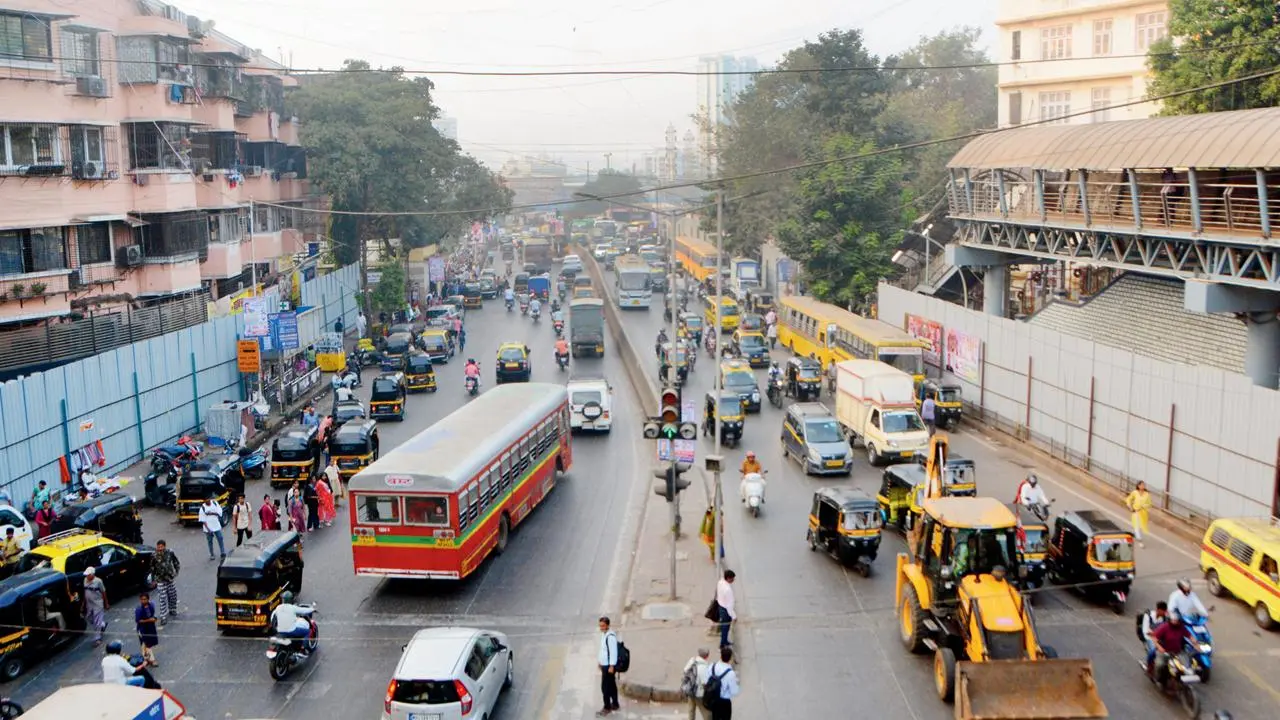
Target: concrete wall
(1205, 441)
(136, 397)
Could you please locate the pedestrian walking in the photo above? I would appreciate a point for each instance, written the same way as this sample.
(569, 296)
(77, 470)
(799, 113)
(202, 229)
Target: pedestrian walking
(462, 338)
(722, 685)
(1139, 504)
(165, 567)
(241, 517)
(10, 552)
(724, 598)
(928, 413)
(771, 332)
(95, 604)
(144, 618)
(297, 514)
(268, 516)
(338, 326)
(608, 661)
(693, 682)
(309, 417)
(311, 497)
(40, 495)
(45, 518)
(362, 324)
(211, 520)
(325, 496)
(334, 479)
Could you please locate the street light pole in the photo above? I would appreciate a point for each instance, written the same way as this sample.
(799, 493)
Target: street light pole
(718, 513)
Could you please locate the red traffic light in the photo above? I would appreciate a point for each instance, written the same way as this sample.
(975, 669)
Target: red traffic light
(670, 406)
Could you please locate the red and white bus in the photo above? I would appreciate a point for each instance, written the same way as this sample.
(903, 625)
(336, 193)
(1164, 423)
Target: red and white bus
(437, 505)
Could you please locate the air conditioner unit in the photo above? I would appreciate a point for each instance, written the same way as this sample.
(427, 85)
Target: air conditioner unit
(73, 280)
(87, 171)
(130, 256)
(253, 171)
(92, 86)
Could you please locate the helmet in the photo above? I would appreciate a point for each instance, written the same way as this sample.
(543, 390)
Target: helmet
(1184, 585)
(286, 596)
(751, 455)
(115, 647)
(1033, 479)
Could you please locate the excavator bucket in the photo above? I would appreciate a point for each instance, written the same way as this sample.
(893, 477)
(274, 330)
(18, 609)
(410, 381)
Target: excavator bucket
(1027, 690)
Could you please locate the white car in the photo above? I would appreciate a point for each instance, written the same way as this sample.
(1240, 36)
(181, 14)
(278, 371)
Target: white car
(450, 673)
(591, 404)
(11, 517)
(600, 250)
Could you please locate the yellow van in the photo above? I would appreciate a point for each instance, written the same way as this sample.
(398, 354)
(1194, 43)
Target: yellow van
(1239, 557)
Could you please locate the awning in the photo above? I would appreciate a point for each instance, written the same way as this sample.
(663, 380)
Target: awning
(99, 218)
(134, 221)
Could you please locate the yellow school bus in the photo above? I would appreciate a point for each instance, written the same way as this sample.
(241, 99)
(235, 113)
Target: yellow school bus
(728, 313)
(833, 334)
(698, 258)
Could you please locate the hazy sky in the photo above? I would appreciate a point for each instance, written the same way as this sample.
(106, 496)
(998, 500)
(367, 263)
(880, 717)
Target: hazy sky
(575, 119)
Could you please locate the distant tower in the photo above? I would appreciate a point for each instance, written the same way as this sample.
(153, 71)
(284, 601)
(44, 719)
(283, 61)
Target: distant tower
(670, 156)
(692, 158)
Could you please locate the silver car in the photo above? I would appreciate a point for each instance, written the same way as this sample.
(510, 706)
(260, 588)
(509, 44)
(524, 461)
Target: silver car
(450, 673)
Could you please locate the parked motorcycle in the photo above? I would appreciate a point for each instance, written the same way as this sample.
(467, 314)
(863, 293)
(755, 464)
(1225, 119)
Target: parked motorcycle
(253, 463)
(1200, 646)
(158, 494)
(284, 654)
(176, 456)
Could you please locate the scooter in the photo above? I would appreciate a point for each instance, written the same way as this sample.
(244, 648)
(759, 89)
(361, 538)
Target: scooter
(510, 304)
(352, 378)
(524, 308)
(753, 492)
(176, 456)
(1180, 682)
(1200, 646)
(558, 326)
(563, 361)
(284, 654)
(158, 495)
(253, 463)
(473, 386)
(536, 314)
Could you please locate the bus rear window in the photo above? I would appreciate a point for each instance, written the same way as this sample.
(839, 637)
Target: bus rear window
(378, 509)
(431, 511)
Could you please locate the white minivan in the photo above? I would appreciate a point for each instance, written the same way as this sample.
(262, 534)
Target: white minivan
(450, 673)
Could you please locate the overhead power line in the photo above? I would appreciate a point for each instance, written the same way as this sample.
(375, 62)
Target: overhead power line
(713, 182)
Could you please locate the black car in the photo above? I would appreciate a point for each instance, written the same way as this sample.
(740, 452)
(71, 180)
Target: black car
(513, 364)
(115, 515)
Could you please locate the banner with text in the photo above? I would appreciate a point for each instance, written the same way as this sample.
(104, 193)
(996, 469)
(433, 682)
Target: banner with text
(929, 331)
(964, 356)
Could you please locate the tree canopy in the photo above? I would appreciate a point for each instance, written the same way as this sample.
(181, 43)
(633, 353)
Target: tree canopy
(372, 148)
(1217, 41)
(608, 183)
(843, 220)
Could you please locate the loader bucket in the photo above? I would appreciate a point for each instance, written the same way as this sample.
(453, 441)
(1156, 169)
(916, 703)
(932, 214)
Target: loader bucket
(1027, 690)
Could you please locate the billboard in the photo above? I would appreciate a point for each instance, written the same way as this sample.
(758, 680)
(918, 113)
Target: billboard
(929, 331)
(964, 356)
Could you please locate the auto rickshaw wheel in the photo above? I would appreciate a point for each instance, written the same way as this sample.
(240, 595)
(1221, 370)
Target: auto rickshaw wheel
(944, 673)
(1215, 584)
(12, 666)
(10, 709)
(504, 533)
(911, 622)
(813, 541)
(864, 568)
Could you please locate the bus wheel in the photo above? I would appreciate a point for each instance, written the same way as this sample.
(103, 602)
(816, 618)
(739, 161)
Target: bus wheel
(504, 532)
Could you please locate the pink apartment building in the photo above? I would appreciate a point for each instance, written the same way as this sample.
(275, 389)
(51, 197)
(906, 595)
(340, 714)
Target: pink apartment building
(133, 138)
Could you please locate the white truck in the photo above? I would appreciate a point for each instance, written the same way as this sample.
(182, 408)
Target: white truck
(874, 404)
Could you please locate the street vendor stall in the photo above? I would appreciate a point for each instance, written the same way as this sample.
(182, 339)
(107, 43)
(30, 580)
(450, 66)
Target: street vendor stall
(330, 355)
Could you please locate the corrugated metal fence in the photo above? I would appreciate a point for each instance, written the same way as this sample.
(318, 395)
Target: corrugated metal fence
(136, 397)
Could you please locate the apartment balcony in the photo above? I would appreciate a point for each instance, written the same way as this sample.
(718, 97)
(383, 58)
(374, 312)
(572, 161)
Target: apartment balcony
(215, 114)
(289, 131)
(261, 126)
(34, 295)
(162, 24)
(168, 278)
(225, 260)
(144, 102)
(214, 190)
(157, 191)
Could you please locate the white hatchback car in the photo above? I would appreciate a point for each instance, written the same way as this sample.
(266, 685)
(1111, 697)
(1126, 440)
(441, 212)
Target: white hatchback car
(450, 673)
(591, 404)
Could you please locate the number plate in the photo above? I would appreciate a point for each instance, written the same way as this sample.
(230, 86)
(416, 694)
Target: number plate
(365, 540)
(513, 366)
(835, 463)
(424, 716)
(908, 453)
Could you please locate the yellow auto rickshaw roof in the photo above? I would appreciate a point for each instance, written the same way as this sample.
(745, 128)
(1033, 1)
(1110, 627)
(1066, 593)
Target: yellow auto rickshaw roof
(744, 333)
(970, 512)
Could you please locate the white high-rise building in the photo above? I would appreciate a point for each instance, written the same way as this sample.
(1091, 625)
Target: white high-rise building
(721, 80)
(1061, 58)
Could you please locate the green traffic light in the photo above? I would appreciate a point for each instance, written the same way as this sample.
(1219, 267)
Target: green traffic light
(671, 431)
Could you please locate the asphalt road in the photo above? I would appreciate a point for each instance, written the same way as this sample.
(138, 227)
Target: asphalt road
(546, 591)
(821, 641)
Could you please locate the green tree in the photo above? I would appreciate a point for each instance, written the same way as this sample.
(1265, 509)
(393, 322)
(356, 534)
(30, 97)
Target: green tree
(389, 293)
(609, 183)
(1217, 41)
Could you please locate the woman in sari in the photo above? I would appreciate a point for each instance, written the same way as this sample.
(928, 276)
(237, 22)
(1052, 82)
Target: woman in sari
(327, 511)
(298, 514)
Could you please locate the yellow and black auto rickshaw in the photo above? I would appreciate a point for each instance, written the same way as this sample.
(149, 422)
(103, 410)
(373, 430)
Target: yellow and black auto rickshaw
(38, 615)
(520, 283)
(295, 455)
(1033, 542)
(205, 480)
(899, 498)
(420, 373)
(947, 408)
(846, 523)
(472, 296)
(395, 350)
(387, 396)
(760, 302)
(1093, 554)
(728, 412)
(252, 577)
(354, 446)
(115, 515)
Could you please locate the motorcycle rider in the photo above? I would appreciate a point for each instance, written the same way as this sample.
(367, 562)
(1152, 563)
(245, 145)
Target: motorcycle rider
(775, 373)
(1030, 494)
(1151, 620)
(555, 305)
(289, 620)
(1170, 637)
(472, 370)
(1184, 601)
(562, 349)
(662, 340)
(535, 306)
(750, 465)
(509, 297)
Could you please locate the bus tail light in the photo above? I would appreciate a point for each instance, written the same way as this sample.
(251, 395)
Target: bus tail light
(386, 701)
(464, 697)
(443, 534)
(362, 531)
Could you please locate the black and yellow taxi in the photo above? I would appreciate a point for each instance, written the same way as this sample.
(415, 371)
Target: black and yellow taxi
(736, 376)
(513, 363)
(725, 413)
(437, 343)
(253, 577)
(751, 346)
(354, 446)
(38, 616)
(122, 567)
(420, 373)
(387, 396)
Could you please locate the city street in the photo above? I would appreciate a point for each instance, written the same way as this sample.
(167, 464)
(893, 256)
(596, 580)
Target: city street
(545, 592)
(809, 624)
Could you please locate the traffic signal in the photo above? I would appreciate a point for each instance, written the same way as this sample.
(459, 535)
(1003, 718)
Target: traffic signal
(669, 413)
(671, 480)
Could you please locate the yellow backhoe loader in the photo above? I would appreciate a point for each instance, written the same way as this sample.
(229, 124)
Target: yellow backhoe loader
(955, 599)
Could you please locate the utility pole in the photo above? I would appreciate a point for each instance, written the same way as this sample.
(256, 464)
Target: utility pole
(608, 161)
(719, 494)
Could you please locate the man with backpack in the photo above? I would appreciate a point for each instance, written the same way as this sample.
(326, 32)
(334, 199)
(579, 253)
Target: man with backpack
(721, 687)
(693, 681)
(611, 663)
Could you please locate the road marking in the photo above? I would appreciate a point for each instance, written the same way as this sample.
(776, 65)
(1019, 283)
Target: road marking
(1252, 676)
(549, 681)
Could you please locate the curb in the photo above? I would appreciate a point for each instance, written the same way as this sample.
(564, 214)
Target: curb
(650, 693)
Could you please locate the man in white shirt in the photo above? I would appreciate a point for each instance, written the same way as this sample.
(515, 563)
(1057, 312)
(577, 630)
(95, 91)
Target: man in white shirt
(694, 680)
(1185, 602)
(116, 670)
(289, 620)
(608, 660)
(724, 599)
(729, 688)
(211, 520)
(1031, 494)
